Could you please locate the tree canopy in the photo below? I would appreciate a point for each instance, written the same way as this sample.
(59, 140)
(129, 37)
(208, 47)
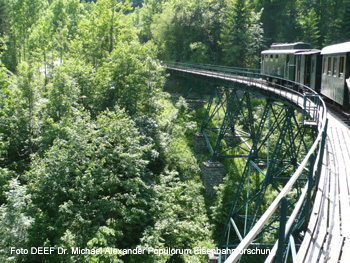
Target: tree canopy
(93, 153)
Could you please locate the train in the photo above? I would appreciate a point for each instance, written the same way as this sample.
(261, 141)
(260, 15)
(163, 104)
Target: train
(326, 71)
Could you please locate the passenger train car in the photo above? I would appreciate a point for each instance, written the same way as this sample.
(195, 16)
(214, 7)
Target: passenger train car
(326, 71)
(280, 59)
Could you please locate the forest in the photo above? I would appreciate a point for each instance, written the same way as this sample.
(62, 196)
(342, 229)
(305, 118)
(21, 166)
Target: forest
(94, 153)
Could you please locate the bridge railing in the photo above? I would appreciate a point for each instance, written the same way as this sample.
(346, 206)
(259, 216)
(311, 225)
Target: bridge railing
(210, 67)
(317, 150)
(312, 104)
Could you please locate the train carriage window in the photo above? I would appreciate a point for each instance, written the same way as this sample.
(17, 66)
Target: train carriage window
(287, 59)
(329, 66)
(335, 65)
(324, 66)
(341, 67)
(283, 57)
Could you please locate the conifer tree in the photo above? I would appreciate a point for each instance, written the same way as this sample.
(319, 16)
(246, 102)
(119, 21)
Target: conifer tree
(311, 31)
(345, 22)
(234, 34)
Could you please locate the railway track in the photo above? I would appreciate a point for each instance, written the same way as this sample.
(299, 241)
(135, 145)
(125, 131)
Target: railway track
(340, 114)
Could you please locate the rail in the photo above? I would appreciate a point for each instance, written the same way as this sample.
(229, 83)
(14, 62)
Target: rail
(312, 104)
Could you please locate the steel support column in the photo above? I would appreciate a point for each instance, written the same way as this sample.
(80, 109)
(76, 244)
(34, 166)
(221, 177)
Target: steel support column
(225, 107)
(279, 142)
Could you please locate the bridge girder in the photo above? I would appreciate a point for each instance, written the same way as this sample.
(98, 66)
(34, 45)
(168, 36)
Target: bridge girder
(273, 140)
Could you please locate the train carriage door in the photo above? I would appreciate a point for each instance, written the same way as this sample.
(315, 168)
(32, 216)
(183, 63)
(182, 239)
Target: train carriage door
(286, 73)
(307, 70)
(313, 74)
(298, 65)
(283, 66)
(346, 75)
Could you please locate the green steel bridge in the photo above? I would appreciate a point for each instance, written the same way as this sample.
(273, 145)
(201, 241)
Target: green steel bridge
(282, 138)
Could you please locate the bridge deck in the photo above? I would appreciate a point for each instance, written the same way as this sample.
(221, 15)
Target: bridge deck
(328, 235)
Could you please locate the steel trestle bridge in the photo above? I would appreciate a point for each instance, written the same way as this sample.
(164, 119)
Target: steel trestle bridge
(280, 128)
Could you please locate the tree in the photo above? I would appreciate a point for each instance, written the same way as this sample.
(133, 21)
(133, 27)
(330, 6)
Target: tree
(344, 21)
(7, 44)
(235, 33)
(255, 42)
(22, 15)
(188, 31)
(41, 41)
(15, 221)
(62, 94)
(101, 28)
(310, 25)
(290, 29)
(25, 82)
(178, 221)
(130, 78)
(5, 177)
(89, 189)
(143, 18)
(14, 123)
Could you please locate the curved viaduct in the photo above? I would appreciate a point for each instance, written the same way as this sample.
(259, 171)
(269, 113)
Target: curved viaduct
(289, 153)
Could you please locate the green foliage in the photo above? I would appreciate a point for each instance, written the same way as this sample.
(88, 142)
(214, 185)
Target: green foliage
(5, 178)
(100, 29)
(28, 85)
(131, 78)
(143, 18)
(310, 23)
(15, 222)
(231, 32)
(178, 211)
(225, 193)
(62, 94)
(179, 221)
(15, 135)
(241, 35)
(83, 76)
(235, 32)
(176, 127)
(256, 41)
(186, 30)
(344, 21)
(92, 176)
(100, 150)
(22, 15)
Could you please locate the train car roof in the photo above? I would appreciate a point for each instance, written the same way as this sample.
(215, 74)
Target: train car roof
(310, 52)
(338, 48)
(283, 51)
(296, 45)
